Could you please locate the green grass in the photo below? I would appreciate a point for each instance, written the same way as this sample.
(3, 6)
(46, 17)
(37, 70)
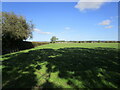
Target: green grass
(67, 65)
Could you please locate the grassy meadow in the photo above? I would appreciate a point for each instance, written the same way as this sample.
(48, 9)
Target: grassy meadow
(63, 65)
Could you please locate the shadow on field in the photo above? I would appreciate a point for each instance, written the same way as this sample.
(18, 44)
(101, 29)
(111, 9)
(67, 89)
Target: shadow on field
(94, 68)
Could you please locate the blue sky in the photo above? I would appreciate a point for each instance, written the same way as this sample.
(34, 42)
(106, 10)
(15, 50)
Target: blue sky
(69, 20)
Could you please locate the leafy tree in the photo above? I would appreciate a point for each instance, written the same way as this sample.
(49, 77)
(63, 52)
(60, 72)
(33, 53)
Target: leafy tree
(53, 39)
(15, 28)
(0, 27)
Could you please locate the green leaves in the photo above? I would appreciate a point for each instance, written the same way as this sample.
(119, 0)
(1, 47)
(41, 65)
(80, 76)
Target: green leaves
(54, 39)
(15, 27)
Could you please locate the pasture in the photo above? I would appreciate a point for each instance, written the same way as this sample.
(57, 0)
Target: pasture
(63, 65)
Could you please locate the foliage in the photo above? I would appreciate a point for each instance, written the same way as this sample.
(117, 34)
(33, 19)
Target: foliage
(53, 39)
(15, 27)
(39, 43)
(20, 45)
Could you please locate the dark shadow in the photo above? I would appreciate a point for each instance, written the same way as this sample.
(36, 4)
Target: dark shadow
(48, 85)
(94, 68)
(18, 69)
(9, 47)
(15, 46)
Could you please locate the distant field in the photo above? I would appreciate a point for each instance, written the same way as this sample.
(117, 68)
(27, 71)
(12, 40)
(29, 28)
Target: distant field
(63, 65)
(82, 45)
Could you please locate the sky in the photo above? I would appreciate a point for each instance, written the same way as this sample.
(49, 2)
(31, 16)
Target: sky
(70, 21)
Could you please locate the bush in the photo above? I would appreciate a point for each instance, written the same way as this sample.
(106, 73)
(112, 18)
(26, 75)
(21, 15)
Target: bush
(39, 43)
(20, 45)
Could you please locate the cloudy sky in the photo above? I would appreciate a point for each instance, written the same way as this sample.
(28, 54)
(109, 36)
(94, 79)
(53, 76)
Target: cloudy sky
(69, 20)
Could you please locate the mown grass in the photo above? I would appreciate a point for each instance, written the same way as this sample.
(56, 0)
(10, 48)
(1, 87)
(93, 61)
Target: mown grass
(67, 65)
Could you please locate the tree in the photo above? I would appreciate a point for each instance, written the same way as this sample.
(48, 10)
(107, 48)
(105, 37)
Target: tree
(15, 28)
(53, 39)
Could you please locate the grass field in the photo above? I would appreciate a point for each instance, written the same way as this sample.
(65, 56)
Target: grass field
(67, 65)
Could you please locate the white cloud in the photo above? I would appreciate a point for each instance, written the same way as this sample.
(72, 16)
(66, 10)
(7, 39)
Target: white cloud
(41, 32)
(105, 22)
(90, 4)
(108, 27)
(67, 28)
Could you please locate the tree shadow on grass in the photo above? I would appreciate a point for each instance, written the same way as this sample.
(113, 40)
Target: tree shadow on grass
(93, 68)
(19, 69)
